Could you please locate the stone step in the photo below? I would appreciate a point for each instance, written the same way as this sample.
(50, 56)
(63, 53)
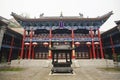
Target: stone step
(93, 63)
(30, 63)
(75, 63)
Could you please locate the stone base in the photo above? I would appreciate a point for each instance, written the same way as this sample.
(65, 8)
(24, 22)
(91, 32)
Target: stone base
(62, 70)
(75, 63)
(93, 63)
(30, 63)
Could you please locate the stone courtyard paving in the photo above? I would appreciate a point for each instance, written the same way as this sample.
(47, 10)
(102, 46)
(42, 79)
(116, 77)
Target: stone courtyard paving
(82, 73)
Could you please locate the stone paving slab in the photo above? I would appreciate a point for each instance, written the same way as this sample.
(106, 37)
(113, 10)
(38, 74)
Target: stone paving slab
(38, 73)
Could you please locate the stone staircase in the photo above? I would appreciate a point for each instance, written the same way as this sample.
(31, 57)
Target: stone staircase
(75, 63)
(93, 63)
(31, 63)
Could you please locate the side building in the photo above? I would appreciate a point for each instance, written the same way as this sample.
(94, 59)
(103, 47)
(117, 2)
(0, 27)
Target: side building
(10, 41)
(111, 42)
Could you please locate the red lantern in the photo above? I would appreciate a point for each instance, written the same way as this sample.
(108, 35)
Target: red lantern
(77, 44)
(27, 44)
(88, 44)
(96, 44)
(34, 43)
(45, 44)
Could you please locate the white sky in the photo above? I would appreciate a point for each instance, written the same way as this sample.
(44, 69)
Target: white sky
(91, 8)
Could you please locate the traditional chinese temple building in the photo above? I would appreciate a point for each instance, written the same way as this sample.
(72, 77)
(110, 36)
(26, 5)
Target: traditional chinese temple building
(76, 35)
(10, 41)
(111, 42)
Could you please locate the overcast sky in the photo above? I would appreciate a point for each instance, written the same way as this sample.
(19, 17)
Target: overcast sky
(91, 8)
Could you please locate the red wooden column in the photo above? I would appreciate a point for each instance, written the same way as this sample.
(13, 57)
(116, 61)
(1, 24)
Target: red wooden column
(22, 48)
(113, 50)
(30, 46)
(33, 52)
(96, 49)
(101, 48)
(10, 53)
(50, 52)
(90, 52)
(73, 45)
(33, 46)
(97, 53)
(26, 52)
(89, 46)
(93, 46)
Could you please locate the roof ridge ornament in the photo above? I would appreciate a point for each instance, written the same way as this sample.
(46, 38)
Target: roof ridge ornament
(81, 15)
(41, 15)
(61, 14)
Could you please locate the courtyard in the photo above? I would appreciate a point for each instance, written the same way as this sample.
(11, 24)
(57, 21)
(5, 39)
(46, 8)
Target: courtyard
(43, 73)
